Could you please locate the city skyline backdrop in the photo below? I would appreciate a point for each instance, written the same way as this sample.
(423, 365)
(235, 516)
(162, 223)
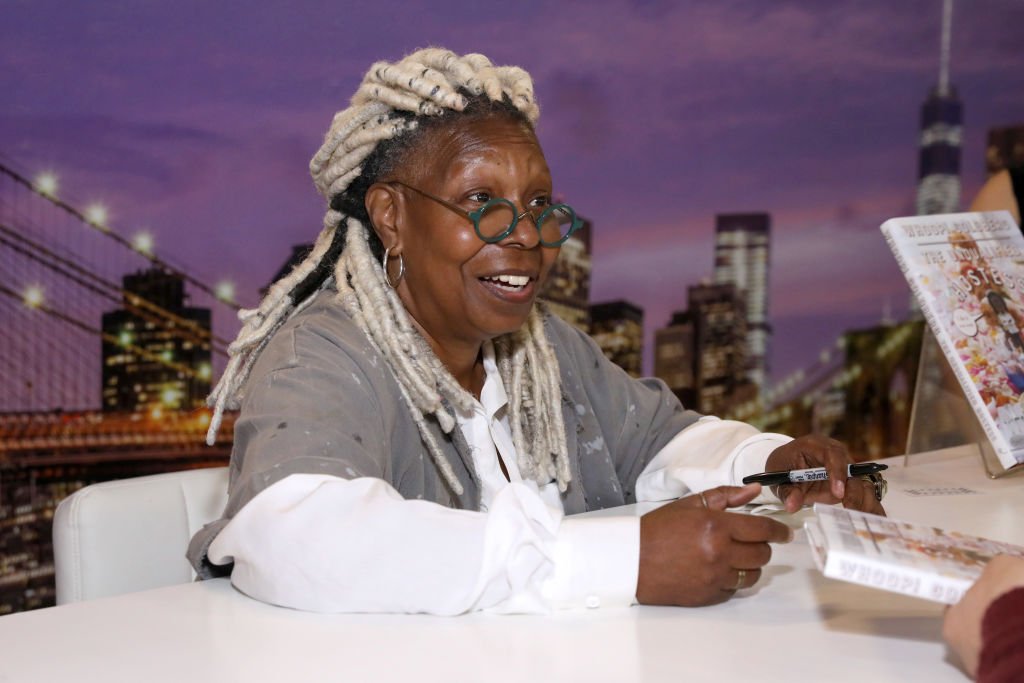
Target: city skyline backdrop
(196, 122)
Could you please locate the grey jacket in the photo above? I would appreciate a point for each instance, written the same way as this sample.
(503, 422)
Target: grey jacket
(321, 399)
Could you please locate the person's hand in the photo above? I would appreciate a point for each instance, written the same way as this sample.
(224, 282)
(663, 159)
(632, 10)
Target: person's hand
(962, 626)
(693, 552)
(819, 451)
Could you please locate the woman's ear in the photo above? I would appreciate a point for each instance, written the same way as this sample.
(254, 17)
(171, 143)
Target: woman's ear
(382, 205)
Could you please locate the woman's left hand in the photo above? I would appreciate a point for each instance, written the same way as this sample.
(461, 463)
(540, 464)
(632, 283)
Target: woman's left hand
(819, 451)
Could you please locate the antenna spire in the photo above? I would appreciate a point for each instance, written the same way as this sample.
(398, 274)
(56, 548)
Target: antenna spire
(947, 29)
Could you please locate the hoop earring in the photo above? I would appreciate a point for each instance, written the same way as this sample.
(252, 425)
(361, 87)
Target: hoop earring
(384, 267)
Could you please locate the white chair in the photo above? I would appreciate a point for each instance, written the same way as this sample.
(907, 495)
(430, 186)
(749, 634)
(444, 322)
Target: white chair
(131, 534)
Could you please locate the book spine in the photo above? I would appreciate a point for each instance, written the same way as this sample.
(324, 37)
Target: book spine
(962, 376)
(911, 581)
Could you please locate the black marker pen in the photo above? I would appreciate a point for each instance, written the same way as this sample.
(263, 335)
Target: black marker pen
(812, 474)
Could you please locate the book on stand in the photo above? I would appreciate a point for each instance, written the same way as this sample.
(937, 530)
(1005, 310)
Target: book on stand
(902, 557)
(966, 271)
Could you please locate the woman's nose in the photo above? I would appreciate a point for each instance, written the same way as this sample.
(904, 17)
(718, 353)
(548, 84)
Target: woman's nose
(525, 234)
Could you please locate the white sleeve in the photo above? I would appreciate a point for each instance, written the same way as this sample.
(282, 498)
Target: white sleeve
(325, 544)
(711, 452)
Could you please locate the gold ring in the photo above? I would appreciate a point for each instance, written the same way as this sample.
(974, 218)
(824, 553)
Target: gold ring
(741, 576)
(703, 499)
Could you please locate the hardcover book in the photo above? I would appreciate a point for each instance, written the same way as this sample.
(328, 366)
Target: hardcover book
(967, 273)
(913, 559)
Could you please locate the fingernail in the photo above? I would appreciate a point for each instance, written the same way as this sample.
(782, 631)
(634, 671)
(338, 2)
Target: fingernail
(839, 488)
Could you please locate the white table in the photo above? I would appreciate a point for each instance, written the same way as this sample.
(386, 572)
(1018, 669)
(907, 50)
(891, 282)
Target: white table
(794, 625)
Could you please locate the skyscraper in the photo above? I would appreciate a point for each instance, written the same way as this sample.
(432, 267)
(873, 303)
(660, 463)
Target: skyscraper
(938, 185)
(156, 350)
(720, 342)
(701, 354)
(567, 291)
(674, 358)
(618, 328)
(742, 259)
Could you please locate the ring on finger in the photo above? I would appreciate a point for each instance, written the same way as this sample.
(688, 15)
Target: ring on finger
(741, 577)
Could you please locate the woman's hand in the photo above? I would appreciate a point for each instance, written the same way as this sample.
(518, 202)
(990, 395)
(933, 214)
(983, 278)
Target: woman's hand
(819, 451)
(962, 626)
(693, 552)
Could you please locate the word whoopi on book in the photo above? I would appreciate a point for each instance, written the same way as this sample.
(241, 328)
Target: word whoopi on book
(967, 272)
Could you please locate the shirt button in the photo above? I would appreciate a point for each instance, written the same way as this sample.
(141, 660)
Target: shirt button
(593, 601)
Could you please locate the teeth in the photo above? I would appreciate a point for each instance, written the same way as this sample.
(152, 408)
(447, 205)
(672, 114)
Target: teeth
(511, 280)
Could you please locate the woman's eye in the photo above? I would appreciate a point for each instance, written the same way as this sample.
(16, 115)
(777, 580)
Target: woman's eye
(540, 202)
(479, 197)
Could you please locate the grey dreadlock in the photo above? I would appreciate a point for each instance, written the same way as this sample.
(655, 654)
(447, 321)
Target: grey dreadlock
(364, 140)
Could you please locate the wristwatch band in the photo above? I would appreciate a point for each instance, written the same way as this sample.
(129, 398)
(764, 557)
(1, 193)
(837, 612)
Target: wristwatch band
(879, 483)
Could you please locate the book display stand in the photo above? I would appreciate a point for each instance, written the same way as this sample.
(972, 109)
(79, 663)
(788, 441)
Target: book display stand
(941, 417)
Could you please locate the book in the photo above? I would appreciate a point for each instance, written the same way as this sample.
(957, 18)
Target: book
(966, 271)
(902, 557)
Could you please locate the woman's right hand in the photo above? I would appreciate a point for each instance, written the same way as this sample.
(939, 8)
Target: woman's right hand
(694, 553)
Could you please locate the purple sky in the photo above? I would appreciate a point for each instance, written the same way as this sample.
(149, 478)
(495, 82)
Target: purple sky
(198, 119)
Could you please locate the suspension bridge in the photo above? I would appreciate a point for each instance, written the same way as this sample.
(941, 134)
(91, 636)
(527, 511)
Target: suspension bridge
(103, 365)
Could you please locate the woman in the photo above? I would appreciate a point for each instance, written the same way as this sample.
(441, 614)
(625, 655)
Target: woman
(414, 428)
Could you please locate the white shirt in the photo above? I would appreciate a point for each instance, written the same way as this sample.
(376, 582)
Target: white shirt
(326, 544)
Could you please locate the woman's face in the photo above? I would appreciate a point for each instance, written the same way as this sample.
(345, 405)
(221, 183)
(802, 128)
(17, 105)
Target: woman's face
(458, 288)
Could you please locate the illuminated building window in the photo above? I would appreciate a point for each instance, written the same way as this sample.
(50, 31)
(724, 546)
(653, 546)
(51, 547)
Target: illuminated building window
(164, 354)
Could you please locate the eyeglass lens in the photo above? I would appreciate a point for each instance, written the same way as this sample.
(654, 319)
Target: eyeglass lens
(496, 218)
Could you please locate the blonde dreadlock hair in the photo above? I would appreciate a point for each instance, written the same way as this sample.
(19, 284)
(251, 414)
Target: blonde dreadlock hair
(392, 108)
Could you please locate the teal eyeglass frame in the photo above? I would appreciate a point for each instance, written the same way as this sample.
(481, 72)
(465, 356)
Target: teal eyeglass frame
(477, 214)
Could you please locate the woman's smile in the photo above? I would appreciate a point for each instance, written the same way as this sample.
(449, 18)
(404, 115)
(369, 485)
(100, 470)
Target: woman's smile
(510, 287)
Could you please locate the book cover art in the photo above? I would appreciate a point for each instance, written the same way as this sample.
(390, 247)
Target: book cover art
(915, 559)
(967, 272)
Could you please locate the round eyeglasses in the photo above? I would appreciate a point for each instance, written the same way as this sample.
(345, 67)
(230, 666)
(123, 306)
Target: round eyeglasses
(498, 217)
